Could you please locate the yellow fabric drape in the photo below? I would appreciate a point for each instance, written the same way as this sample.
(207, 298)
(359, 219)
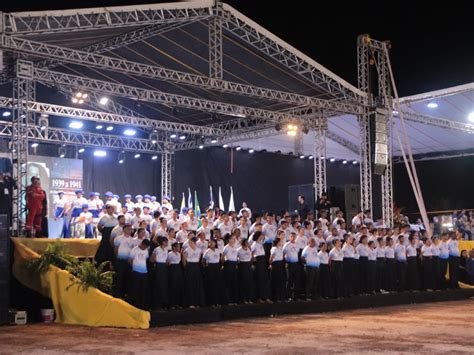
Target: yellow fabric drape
(73, 306)
(80, 248)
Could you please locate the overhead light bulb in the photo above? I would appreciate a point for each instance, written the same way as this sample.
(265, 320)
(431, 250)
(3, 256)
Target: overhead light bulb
(154, 157)
(432, 105)
(104, 100)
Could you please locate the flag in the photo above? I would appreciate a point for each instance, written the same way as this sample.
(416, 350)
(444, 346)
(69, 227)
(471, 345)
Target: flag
(231, 201)
(211, 198)
(190, 199)
(197, 210)
(183, 204)
(221, 200)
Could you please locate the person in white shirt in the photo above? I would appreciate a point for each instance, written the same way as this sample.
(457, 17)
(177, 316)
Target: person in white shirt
(118, 205)
(226, 226)
(427, 264)
(182, 234)
(243, 226)
(390, 265)
(262, 290)
(339, 219)
(159, 258)
(372, 268)
(436, 250)
(244, 256)
(310, 259)
(229, 258)
(301, 239)
(336, 257)
(175, 221)
(381, 265)
(368, 217)
(139, 202)
(155, 205)
(123, 245)
(413, 283)
(324, 221)
(358, 219)
(129, 203)
(205, 228)
(277, 269)
(75, 210)
(139, 277)
(245, 209)
(193, 290)
(60, 206)
(118, 229)
(175, 276)
(349, 264)
(324, 272)
(443, 259)
(212, 274)
(453, 246)
(165, 202)
(192, 221)
(126, 215)
(84, 224)
(401, 258)
(137, 218)
(290, 253)
(147, 201)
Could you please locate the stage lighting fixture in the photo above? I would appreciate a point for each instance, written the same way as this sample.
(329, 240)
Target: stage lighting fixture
(225, 146)
(305, 130)
(470, 117)
(173, 136)
(344, 162)
(432, 105)
(214, 141)
(278, 127)
(81, 101)
(322, 157)
(100, 153)
(201, 147)
(129, 132)
(104, 100)
(175, 111)
(6, 114)
(74, 100)
(238, 148)
(79, 97)
(62, 152)
(310, 157)
(99, 126)
(110, 128)
(154, 138)
(78, 94)
(251, 151)
(34, 145)
(354, 162)
(43, 122)
(154, 157)
(332, 160)
(136, 156)
(301, 156)
(120, 161)
(121, 157)
(76, 125)
(81, 150)
(182, 137)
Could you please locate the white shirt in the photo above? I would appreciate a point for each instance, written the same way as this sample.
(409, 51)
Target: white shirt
(411, 251)
(453, 247)
(290, 252)
(244, 255)
(206, 231)
(400, 252)
(212, 256)
(362, 250)
(336, 255)
(257, 249)
(136, 221)
(78, 202)
(426, 250)
(192, 255)
(435, 250)
(302, 241)
(348, 251)
(311, 256)
(181, 236)
(174, 223)
(323, 257)
(147, 217)
(380, 251)
(372, 254)
(173, 258)
(86, 217)
(244, 230)
(269, 232)
(443, 250)
(225, 228)
(202, 245)
(192, 223)
(160, 254)
(139, 257)
(108, 221)
(389, 252)
(125, 245)
(59, 202)
(356, 221)
(118, 229)
(230, 253)
(277, 253)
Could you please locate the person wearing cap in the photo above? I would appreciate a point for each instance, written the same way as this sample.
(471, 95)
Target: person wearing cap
(59, 207)
(118, 205)
(166, 202)
(155, 205)
(35, 196)
(105, 227)
(139, 201)
(165, 212)
(137, 217)
(128, 203)
(84, 224)
(92, 205)
(109, 198)
(75, 210)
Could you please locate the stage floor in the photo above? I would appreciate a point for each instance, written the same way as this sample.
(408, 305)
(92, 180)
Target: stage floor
(430, 328)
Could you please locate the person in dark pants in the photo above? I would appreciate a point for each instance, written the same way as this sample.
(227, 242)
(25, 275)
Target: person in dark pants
(262, 289)
(380, 265)
(231, 276)
(123, 246)
(139, 279)
(427, 262)
(310, 259)
(413, 283)
(390, 266)
(175, 276)
(193, 286)
(303, 208)
(212, 274)
(349, 252)
(453, 246)
(244, 257)
(371, 268)
(436, 264)
(290, 253)
(277, 271)
(401, 257)
(336, 257)
(363, 250)
(324, 286)
(160, 290)
(443, 260)
(105, 226)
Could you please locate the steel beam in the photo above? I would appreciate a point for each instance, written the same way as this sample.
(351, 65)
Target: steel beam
(216, 68)
(166, 174)
(319, 160)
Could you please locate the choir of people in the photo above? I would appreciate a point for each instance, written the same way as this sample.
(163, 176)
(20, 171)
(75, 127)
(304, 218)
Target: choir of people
(166, 258)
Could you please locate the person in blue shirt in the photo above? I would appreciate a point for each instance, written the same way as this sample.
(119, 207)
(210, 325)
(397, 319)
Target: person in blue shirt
(310, 259)
(139, 289)
(290, 253)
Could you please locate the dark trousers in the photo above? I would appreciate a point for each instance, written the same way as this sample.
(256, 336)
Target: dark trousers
(278, 281)
(123, 277)
(176, 285)
(231, 279)
(436, 273)
(427, 264)
(311, 278)
(139, 290)
(348, 264)
(105, 251)
(412, 273)
(443, 269)
(454, 271)
(363, 274)
(160, 289)
(267, 247)
(401, 275)
(337, 279)
(262, 289)
(245, 281)
(213, 284)
(193, 289)
(371, 276)
(390, 274)
(324, 286)
(293, 279)
(381, 273)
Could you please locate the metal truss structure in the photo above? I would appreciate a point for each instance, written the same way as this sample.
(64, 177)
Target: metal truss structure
(319, 158)
(216, 68)
(166, 174)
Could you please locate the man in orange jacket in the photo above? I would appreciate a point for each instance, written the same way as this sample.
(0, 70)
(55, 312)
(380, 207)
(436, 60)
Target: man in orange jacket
(35, 196)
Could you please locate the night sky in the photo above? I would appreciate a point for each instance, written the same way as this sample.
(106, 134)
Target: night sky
(432, 43)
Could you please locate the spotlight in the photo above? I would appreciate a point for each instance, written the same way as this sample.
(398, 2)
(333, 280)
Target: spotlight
(182, 137)
(301, 156)
(76, 125)
(344, 162)
(322, 157)
(354, 162)
(84, 96)
(278, 127)
(201, 147)
(81, 101)
(129, 132)
(74, 100)
(305, 130)
(214, 141)
(432, 105)
(292, 133)
(121, 157)
(470, 117)
(154, 138)
(173, 136)
(225, 146)
(104, 100)
(43, 122)
(100, 153)
(136, 156)
(154, 157)
(62, 152)
(109, 128)
(332, 160)
(81, 150)
(99, 126)
(78, 94)
(251, 151)
(238, 148)
(6, 114)
(34, 145)
(120, 161)
(310, 157)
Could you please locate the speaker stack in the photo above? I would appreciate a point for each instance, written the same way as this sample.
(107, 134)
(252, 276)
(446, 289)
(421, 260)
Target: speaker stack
(381, 142)
(4, 270)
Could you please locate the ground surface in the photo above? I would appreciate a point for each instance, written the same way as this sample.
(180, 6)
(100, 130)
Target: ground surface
(428, 328)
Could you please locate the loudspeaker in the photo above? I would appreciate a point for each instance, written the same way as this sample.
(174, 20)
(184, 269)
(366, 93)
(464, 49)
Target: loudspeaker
(352, 201)
(381, 144)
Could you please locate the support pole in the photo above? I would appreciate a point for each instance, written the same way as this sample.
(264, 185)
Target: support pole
(319, 160)
(215, 42)
(166, 174)
(23, 93)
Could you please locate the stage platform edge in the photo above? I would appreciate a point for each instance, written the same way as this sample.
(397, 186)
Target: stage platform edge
(225, 313)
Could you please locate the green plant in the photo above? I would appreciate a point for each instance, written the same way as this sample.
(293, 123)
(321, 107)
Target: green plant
(54, 254)
(87, 274)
